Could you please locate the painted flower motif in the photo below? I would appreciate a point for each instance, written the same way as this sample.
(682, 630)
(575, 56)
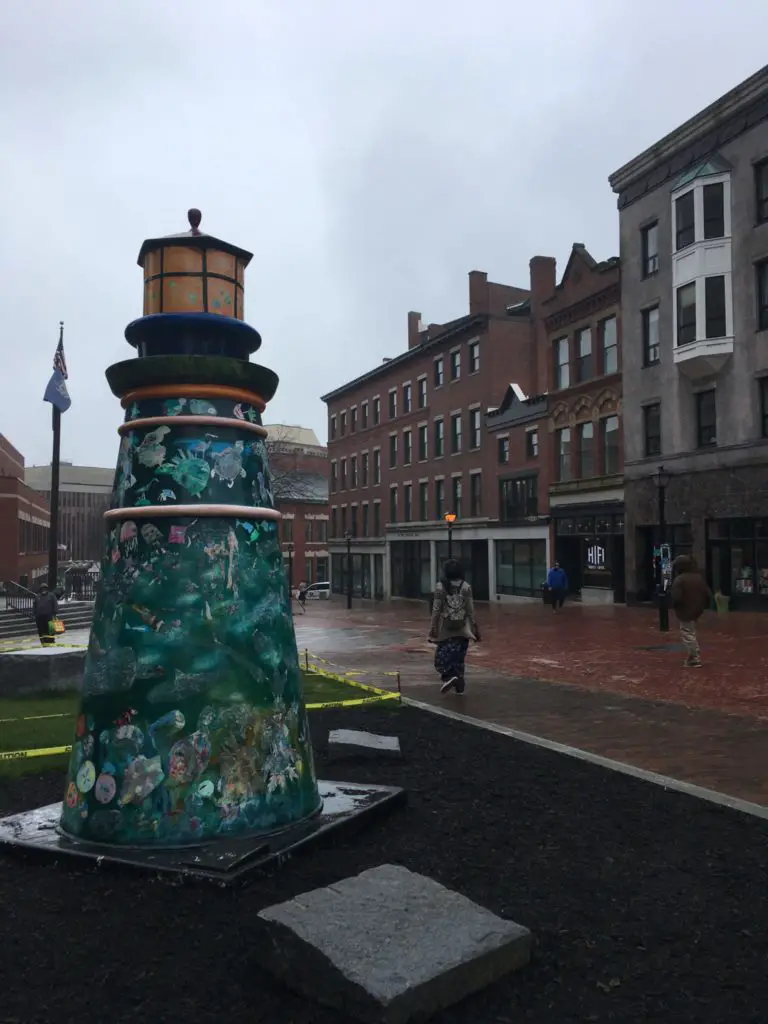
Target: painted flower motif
(80, 728)
(72, 796)
(105, 788)
(86, 776)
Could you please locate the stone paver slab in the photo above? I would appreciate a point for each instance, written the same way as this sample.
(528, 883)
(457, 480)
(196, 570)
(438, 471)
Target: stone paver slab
(389, 946)
(357, 743)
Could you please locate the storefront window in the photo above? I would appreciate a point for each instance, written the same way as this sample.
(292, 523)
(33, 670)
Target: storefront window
(338, 573)
(761, 561)
(410, 569)
(521, 567)
(737, 559)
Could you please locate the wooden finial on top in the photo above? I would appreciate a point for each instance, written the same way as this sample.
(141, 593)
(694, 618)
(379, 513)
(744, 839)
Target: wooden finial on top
(194, 216)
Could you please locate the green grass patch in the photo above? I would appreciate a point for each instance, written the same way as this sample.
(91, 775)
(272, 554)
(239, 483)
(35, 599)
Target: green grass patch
(33, 729)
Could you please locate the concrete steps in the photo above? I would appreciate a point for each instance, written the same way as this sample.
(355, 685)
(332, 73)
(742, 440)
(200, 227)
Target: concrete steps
(74, 614)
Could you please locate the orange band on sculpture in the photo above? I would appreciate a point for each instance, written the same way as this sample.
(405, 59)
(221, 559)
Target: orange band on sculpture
(194, 391)
(192, 421)
(194, 512)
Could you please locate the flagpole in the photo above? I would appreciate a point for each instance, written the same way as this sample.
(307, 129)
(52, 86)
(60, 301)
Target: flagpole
(53, 533)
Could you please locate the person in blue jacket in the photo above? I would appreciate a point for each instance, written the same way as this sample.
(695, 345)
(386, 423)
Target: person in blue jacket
(557, 582)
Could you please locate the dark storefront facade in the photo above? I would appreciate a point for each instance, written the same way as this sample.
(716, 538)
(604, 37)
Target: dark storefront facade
(720, 518)
(367, 574)
(589, 545)
(410, 568)
(413, 574)
(473, 555)
(737, 561)
(521, 566)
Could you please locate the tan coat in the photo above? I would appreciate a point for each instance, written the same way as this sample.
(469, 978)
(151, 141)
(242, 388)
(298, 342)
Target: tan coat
(442, 630)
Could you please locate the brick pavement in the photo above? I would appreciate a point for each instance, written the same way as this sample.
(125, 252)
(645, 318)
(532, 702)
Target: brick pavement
(616, 649)
(588, 679)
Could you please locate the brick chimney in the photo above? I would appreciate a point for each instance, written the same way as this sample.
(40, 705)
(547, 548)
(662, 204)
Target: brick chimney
(478, 292)
(414, 325)
(543, 279)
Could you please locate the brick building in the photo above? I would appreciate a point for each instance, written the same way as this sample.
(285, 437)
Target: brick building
(559, 451)
(298, 466)
(407, 444)
(579, 337)
(24, 522)
(84, 497)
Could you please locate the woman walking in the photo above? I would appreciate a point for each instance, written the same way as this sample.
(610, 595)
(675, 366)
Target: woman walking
(453, 626)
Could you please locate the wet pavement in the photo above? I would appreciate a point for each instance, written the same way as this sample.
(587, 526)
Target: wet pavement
(599, 679)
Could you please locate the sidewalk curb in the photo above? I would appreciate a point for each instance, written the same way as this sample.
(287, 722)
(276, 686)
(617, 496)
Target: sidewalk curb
(666, 782)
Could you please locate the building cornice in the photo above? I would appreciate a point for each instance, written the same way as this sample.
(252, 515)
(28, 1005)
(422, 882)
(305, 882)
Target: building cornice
(592, 304)
(708, 120)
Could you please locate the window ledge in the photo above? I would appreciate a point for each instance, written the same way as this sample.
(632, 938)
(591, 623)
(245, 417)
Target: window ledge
(703, 357)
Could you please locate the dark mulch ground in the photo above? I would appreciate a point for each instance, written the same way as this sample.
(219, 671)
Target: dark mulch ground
(645, 905)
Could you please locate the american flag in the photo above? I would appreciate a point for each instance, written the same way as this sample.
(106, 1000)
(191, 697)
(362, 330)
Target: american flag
(56, 393)
(59, 361)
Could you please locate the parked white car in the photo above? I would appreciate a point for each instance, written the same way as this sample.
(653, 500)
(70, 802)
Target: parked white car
(316, 592)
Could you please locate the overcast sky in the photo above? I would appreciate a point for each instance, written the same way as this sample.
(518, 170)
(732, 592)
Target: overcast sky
(369, 154)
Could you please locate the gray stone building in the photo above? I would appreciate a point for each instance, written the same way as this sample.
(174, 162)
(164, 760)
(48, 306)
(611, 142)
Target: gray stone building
(694, 306)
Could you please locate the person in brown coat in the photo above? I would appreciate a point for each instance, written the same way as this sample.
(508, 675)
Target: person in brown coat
(690, 599)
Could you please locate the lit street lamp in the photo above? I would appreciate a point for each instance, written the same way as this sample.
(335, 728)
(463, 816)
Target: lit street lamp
(450, 518)
(662, 482)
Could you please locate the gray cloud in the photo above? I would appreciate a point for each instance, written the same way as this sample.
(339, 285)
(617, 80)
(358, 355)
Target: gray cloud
(369, 155)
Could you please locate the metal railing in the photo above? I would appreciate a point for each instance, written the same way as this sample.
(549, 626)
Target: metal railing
(80, 586)
(19, 599)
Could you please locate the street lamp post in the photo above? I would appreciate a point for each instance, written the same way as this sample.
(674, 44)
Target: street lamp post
(289, 546)
(348, 537)
(450, 518)
(662, 482)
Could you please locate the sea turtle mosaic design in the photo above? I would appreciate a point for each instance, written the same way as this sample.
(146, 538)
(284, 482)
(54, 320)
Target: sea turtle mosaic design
(228, 464)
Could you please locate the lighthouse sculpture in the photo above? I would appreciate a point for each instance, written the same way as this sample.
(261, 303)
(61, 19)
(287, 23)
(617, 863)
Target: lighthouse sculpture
(192, 726)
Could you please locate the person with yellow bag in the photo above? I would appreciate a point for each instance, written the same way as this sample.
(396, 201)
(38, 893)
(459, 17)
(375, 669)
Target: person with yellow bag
(46, 616)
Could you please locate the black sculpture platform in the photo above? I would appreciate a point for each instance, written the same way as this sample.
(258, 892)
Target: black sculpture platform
(347, 806)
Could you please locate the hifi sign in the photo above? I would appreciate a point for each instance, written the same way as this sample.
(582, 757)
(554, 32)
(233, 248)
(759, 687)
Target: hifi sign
(595, 557)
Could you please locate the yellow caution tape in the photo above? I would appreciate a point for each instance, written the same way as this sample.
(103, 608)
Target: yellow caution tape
(351, 682)
(37, 718)
(350, 703)
(22, 755)
(9, 648)
(355, 672)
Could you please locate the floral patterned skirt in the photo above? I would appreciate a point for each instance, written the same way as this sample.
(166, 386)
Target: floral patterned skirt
(449, 657)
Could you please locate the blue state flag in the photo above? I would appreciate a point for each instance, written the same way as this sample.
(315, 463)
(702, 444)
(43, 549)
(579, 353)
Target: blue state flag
(56, 393)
